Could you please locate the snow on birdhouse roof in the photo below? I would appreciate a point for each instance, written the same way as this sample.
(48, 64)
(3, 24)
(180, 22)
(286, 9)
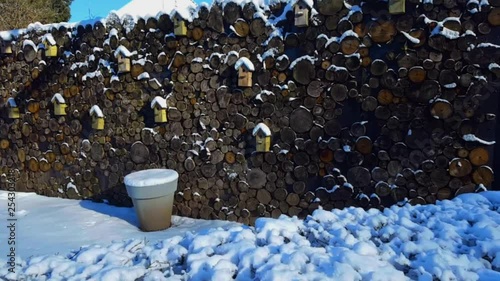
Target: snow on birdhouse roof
(57, 97)
(263, 128)
(96, 110)
(49, 38)
(244, 62)
(12, 102)
(10, 35)
(161, 102)
(184, 13)
(151, 8)
(122, 50)
(113, 33)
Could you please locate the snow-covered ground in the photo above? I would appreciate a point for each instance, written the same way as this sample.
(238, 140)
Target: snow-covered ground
(453, 240)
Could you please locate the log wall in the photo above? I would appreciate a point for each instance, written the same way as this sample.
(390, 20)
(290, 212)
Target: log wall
(366, 108)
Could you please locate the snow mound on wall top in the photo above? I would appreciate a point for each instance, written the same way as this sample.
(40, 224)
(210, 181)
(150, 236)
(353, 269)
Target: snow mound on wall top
(452, 240)
(151, 8)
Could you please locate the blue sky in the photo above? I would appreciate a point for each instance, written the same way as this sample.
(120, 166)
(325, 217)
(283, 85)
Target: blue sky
(86, 9)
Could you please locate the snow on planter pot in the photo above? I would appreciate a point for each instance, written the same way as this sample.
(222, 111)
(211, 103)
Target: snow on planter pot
(97, 118)
(59, 104)
(6, 47)
(262, 135)
(152, 192)
(245, 68)
(159, 105)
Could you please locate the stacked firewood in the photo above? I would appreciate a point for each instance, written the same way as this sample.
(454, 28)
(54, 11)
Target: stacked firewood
(365, 108)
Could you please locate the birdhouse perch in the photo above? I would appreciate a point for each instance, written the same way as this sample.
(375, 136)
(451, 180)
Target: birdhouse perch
(59, 104)
(97, 118)
(262, 135)
(245, 68)
(159, 105)
(12, 109)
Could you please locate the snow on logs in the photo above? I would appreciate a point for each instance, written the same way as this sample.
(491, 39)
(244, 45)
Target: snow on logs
(365, 108)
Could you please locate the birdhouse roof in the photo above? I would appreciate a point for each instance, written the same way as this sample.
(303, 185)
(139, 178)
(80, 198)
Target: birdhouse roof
(262, 128)
(57, 97)
(49, 39)
(11, 102)
(122, 50)
(244, 62)
(161, 102)
(95, 110)
(308, 3)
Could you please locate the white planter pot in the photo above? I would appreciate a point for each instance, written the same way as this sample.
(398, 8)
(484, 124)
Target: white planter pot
(152, 192)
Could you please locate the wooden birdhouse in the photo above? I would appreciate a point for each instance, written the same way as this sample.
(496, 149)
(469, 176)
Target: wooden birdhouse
(245, 68)
(262, 135)
(301, 10)
(159, 105)
(180, 28)
(50, 45)
(59, 104)
(396, 7)
(97, 118)
(123, 55)
(6, 47)
(12, 109)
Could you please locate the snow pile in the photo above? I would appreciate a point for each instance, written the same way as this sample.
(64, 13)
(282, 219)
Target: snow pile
(452, 240)
(151, 8)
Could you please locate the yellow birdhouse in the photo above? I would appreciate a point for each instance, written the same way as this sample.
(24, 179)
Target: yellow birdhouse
(123, 64)
(180, 28)
(123, 55)
(6, 47)
(245, 68)
(301, 10)
(396, 7)
(159, 105)
(59, 104)
(262, 135)
(13, 109)
(97, 118)
(50, 45)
